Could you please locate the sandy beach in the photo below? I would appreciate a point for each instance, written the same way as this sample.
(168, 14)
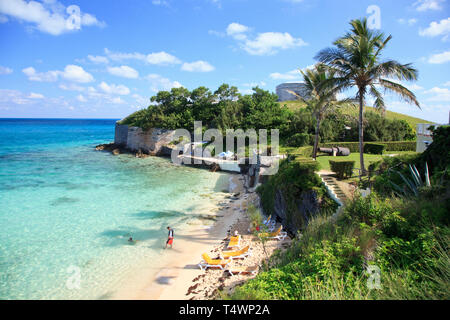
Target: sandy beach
(179, 276)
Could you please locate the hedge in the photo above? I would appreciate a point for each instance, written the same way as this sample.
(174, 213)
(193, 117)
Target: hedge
(374, 148)
(390, 145)
(298, 140)
(342, 169)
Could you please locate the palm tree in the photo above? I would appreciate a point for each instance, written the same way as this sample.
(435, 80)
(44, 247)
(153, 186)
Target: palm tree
(356, 62)
(319, 99)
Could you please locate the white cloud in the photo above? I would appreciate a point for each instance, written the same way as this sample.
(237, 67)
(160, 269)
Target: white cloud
(197, 66)
(5, 70)
(119, 56)
(160, 3)
(162, 58)
(33, 95)
(410, 22)
(143, 102)
(49, 76)
(158, 83)
(425, 5)
(124, 71)
(77, 74)
(81, 98)
(117, 100)
(439, 94)
(71, 87)
(114, 89)
(237, 30)
(441, 28)
(8, 97)
(447, 84)
(255, 84)
(269, 43)
(98, 59)
(50, 16)
(216, 33)
(71, 73)
(440, 57)
(106, 96)
(290, 75)
(157, 58)
(266, 43)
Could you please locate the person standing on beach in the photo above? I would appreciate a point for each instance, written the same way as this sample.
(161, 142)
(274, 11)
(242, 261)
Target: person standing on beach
(170, 238)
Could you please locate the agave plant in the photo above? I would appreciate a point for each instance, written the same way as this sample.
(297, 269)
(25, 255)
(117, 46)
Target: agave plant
(413, 184)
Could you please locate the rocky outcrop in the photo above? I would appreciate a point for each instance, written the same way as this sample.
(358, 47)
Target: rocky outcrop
(149, 141)
(142, 143)
(117, 149)
(306, 207)
(114, 148)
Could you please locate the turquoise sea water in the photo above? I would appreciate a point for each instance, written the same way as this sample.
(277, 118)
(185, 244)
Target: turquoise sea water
(66, 210)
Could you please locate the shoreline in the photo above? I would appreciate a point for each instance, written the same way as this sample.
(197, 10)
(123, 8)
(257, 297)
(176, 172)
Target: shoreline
(172, 279)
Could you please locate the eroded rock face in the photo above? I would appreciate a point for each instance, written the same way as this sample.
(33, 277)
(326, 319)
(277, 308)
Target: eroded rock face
(141, 143)
(306, 207)
(149, 141)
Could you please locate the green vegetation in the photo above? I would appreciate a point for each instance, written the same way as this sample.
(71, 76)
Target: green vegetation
(295, 181)
(342, 168)
(403, 234)
(374, 148)
(390, 145)
(406, 238)
(356, 62)
(223, 109)
(227, 109)
(321, 99)
(351, 111)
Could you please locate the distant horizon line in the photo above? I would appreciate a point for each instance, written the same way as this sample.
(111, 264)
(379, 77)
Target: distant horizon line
(1, 118)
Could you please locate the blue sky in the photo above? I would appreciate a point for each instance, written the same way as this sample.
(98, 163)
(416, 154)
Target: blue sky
(114, 55)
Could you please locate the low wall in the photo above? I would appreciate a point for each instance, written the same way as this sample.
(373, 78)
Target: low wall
(135, 139)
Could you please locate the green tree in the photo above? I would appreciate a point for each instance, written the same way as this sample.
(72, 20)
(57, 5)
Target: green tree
(356, 62)
(321, 98)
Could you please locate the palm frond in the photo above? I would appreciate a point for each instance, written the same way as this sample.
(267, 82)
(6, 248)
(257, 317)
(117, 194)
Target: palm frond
(400, 90)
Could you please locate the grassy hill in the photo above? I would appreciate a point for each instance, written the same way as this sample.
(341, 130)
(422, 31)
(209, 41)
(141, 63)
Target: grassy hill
(353, 111)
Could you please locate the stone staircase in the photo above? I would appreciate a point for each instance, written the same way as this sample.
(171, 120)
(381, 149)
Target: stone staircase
(334, 191)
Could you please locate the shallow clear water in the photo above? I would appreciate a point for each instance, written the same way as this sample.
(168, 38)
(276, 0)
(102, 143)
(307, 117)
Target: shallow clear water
(66, 210)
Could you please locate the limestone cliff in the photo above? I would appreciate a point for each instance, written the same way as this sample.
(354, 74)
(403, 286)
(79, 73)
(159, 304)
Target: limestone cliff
(152, 141)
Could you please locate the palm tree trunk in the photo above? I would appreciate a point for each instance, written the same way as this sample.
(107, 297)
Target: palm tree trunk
(361, 133)
(316, 140)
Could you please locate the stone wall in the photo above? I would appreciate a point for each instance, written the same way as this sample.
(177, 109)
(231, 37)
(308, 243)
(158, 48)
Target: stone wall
(135, 139)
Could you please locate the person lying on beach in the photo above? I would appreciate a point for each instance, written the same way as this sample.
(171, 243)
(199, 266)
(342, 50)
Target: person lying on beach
(169, 238)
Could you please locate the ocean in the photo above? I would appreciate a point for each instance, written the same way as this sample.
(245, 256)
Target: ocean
(67, 210)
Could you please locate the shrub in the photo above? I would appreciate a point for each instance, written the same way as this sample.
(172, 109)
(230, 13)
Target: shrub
(293, 181)
(343, 169)
(298, 140)
(390, 145)
(374, 148)
(437, 154)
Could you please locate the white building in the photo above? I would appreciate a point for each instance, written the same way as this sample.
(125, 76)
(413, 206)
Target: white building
(424, 136)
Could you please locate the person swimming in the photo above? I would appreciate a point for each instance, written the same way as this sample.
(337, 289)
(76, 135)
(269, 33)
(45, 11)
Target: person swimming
(132, 241)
